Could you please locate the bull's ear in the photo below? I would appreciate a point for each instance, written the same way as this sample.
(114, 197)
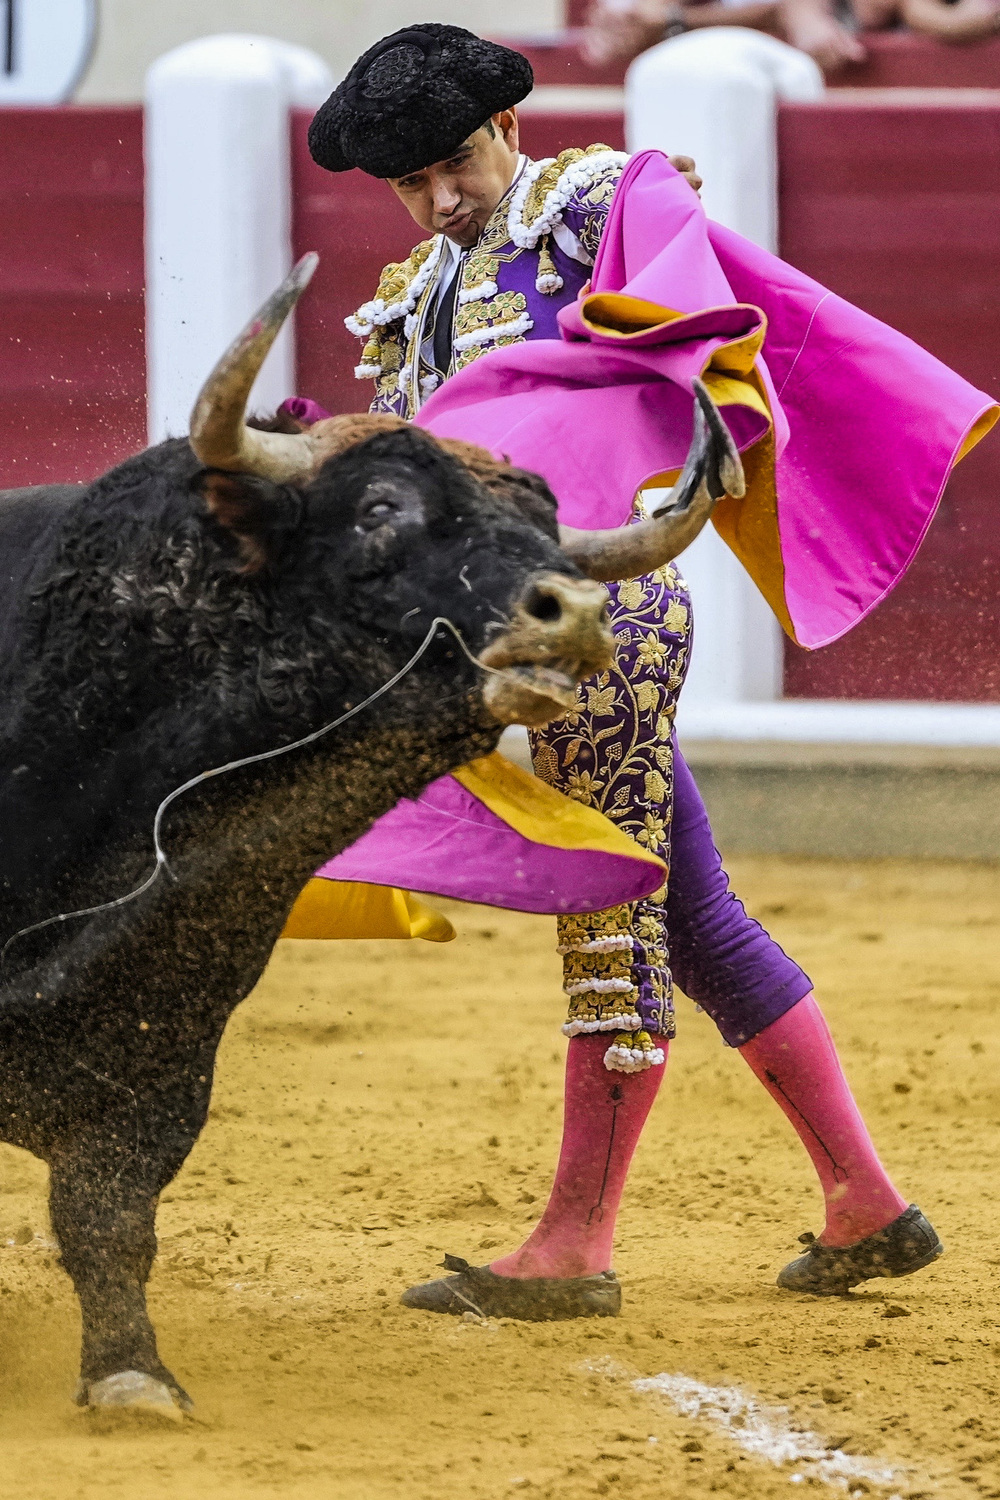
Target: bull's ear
(258, 512)
(519, 487)
(532, 496)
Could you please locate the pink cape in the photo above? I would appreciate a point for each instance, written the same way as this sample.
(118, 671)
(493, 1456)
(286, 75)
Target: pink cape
(866, 424)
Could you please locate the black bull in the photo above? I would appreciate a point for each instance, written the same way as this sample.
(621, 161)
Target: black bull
(147, 636)
(205, 602)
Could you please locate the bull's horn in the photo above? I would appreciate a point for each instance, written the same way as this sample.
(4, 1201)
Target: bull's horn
(712, 469)
(219, 434)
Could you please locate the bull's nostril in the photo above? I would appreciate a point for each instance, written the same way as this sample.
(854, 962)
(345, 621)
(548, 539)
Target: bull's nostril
(543, 606)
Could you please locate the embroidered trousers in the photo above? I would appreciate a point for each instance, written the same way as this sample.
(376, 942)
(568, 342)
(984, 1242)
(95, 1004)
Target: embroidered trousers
(615, 751)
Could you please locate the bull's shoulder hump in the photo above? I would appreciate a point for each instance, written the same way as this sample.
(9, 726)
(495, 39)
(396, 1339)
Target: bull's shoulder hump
(399, 289)
(27, 514)
(549, 187)
(49, 494)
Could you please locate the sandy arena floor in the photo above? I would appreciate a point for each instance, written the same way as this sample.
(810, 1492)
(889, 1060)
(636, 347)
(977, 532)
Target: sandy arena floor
(345, 1152)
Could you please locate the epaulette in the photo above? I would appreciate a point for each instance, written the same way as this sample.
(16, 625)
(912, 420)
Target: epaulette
(547, 186)
(399, 289)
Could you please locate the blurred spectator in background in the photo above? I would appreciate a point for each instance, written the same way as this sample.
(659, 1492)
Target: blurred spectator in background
(826, 29)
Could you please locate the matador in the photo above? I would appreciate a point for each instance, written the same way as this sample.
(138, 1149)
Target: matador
(510, 242)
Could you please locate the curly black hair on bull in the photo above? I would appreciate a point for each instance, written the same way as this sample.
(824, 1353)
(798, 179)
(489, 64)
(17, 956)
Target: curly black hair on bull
(134, 613)
(150, 598)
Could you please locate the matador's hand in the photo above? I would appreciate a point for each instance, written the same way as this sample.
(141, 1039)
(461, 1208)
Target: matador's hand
(686, 167)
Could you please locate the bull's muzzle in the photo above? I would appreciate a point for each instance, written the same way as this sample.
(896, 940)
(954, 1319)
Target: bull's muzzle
(558, 635)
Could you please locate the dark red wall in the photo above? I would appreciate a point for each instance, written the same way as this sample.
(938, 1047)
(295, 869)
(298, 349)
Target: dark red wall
(72, 361)
(898, 209)
(896, 59)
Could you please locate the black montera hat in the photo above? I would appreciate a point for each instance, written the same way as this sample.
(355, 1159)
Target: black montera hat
(413, 98)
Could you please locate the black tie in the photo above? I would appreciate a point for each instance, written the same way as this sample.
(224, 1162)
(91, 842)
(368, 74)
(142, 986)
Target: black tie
(444, 324)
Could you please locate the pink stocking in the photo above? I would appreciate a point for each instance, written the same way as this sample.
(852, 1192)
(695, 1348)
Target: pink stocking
(603, 1119)
(796, 1061)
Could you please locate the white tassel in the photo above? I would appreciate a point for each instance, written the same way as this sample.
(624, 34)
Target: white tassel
(619, 944)
(599, 986)
(622, 1059)
(610, 1023)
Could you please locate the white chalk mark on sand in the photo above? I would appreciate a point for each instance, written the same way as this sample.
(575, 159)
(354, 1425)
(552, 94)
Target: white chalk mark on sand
(768, 1432)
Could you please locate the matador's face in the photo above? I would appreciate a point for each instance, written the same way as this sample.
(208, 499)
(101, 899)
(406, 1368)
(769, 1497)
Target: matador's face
(457, 197)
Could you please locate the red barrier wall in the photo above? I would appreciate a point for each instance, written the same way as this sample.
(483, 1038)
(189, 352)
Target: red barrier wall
(896, 59)
(898, 209)
(72, 361)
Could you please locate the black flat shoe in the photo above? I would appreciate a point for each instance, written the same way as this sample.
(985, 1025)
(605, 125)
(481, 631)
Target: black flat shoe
(542, 1299)
(906, 1245)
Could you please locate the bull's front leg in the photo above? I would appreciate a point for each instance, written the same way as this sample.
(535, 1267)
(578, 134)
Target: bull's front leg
(103, 1214)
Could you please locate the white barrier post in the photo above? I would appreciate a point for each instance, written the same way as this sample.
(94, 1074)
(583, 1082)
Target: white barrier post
(713, 94)
(218, 209)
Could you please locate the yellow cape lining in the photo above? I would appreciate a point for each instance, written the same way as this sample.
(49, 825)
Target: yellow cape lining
(749, 525)
(352, 909)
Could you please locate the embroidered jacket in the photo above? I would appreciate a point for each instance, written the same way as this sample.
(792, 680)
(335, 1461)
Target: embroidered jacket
(532, 259)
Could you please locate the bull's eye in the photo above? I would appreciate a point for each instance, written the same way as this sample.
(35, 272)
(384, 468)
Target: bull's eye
(378, 505)
(387, 500)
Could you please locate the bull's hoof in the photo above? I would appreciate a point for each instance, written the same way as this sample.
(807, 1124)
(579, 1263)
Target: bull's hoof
(134, 1394)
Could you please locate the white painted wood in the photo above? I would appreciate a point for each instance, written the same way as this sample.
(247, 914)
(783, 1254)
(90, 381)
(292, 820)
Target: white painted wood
(836, 722)
(45, 46)
(713, 94)
(218, 209)
(737, 652)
